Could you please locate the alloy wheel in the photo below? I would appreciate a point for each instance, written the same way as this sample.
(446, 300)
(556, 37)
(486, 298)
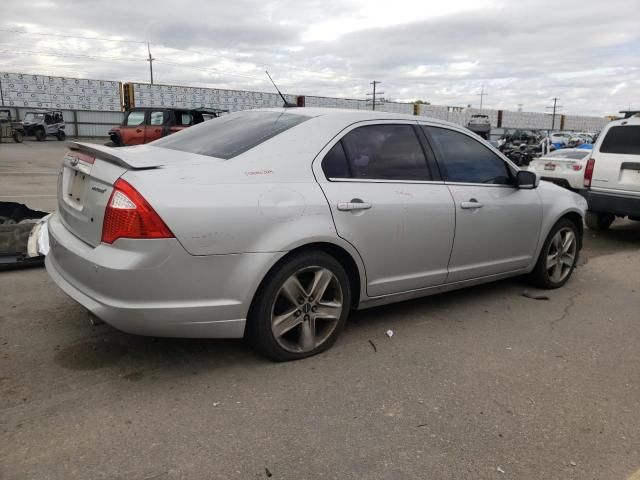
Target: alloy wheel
(306, 309)
(561, 254)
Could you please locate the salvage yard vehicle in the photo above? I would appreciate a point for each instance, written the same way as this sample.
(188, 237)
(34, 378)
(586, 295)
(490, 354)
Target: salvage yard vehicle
(612, 174)
(564, 167)
(480, 124)
(274, 224)
(39, 124)
(10, 130)
(144, 125)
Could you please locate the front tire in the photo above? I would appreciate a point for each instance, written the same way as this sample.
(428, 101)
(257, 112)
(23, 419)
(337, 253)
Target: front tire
(41, 136)
(598, 221)
(301, 307)
(61, 135)
(558, 256)
(18, 136)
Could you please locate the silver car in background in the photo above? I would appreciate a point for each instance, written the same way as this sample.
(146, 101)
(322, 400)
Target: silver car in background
(273, 224)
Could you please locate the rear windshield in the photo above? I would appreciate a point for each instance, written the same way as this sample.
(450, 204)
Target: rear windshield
(231, 135)
(624, 140)
(572, 155)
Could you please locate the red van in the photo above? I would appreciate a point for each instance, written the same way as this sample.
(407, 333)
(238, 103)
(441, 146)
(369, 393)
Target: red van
(144, 125)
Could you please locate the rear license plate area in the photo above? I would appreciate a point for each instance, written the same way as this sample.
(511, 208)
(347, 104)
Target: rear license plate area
(550, 167)
(76, 186)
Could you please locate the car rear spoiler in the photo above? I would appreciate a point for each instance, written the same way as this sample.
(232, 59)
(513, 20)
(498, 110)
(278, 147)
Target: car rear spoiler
(113, 155)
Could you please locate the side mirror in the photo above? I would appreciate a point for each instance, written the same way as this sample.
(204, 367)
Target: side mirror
(527, 180)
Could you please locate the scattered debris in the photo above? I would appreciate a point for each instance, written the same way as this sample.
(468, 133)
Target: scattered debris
(215, 404)
(534, 296)
(508, 348)
(24, 237)
(389, 333)
(267, 472)
(499, 469)
(422, 425)
(573, 464)
(373, 345)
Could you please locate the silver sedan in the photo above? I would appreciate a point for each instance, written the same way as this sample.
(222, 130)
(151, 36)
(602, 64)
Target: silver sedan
(274, 224)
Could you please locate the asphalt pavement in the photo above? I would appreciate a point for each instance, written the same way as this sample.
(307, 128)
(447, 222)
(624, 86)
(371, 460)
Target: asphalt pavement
(483, 383)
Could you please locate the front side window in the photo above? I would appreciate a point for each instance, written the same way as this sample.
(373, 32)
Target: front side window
(231, 135)
(135, 118)
(466, 160)
(385, 152)
(156, 118)
(623, 140)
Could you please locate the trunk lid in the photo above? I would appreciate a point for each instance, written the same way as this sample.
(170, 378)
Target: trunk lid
(86, 182)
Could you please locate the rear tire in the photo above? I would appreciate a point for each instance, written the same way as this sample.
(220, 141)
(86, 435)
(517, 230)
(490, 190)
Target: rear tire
(18, 137)
(285, 321)
(41, 136)
(598, 221)
(61, 136)
(558, 256)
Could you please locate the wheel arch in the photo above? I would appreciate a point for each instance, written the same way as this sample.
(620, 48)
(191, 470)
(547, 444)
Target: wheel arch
(353, 268)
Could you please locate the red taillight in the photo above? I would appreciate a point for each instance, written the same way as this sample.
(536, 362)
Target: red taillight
(129, 215)
(588, 172)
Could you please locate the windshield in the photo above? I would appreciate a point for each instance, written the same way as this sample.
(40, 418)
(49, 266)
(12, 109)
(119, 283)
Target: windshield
(569, 154)
(33, 117)
(231, 135)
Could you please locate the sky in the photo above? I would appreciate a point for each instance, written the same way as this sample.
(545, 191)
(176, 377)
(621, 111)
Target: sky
(524, 52)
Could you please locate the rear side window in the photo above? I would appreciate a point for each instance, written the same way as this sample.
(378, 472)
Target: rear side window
(335, 164)
(231, 135)
(622, 140)
(466, 160)
(135, 118)
(385, 152)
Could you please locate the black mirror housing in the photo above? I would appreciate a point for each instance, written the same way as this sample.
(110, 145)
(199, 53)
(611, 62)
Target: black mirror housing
(527, 180)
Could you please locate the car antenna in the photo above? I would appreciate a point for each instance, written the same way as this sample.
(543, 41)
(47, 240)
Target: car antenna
(286, 103)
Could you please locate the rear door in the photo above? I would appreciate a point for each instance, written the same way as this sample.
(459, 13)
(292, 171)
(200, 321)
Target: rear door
(132, 130)
(389, 203)
(617, 160)
(157, 124)
(497, 224)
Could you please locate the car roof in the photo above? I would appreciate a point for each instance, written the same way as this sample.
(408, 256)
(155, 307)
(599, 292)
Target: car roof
(635, 120)
(355, 115)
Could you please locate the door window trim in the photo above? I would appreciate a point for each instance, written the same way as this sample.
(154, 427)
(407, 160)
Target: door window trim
(513, 170)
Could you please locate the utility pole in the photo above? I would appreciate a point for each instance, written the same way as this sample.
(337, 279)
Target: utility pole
(150, 60)
(520, 107)
(482, 94)
(374, 93)
(555, 108)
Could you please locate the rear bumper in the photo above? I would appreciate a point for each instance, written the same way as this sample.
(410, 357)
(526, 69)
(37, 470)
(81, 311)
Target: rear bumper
(154, 287)
(619, 205)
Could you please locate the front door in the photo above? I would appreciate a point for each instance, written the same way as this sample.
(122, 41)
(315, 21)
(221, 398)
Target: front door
(388, 204)
(497, 224)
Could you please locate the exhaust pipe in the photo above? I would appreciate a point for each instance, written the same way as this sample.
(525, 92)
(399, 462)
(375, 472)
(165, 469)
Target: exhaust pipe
(93, 320)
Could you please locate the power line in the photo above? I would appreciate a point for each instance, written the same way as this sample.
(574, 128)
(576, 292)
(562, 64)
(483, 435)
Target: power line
(150, 60)
(71, 55)
(482, 94)
(373, 94)
(105, 39)
(555, 107)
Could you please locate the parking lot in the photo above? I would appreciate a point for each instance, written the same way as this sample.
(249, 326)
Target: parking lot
(479, 383)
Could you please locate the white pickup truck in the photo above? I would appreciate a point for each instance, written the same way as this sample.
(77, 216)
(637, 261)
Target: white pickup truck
(612, 174)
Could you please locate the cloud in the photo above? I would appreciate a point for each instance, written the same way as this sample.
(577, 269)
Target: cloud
(524, 52)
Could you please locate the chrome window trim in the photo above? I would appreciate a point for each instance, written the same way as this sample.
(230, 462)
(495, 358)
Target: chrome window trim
(381, 180)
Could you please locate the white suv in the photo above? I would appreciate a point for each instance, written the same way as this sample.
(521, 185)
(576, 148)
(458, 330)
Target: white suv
(612, 174)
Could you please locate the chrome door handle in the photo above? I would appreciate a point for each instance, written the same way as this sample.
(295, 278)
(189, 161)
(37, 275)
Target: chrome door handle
(471, 204)
(350, 206)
